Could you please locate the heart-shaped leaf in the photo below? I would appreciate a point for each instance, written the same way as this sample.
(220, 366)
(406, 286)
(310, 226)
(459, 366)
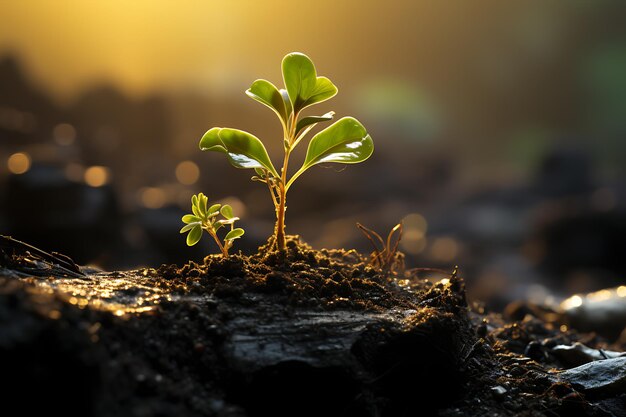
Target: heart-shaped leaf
(303, 85)
(266, 93)
(243, 149)
(345, 141)
(234, 234)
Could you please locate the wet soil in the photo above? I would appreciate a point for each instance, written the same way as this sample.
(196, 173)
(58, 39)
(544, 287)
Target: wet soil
(299, 333)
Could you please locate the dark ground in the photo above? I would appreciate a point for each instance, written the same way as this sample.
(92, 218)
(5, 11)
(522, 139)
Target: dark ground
(310, 333)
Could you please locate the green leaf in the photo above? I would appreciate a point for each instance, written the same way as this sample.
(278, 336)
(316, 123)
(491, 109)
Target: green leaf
(227, 211)
(303, 85)
(313, 120)
(214, 208)
(194, 235)
(211, 141)
(196, 211)
(243, 149)
(194, 200)
(203, 201)
(234, 234)
(345, 141)
(266, 93)
(188, 227)
(232, 220)
(190, 218)
(285, 94)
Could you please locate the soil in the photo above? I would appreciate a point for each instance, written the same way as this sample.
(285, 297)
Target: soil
(298, 333)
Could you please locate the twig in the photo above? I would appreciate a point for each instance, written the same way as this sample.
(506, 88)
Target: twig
(59, 261)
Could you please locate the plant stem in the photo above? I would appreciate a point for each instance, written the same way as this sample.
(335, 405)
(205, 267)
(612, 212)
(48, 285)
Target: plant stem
(217, 240)
(281, 208)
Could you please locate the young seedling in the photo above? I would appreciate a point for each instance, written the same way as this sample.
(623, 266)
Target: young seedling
(205, 218)
(385, 255)
(346, 141)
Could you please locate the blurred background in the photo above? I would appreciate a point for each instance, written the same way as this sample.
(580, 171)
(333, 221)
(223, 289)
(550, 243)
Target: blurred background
(500, 131)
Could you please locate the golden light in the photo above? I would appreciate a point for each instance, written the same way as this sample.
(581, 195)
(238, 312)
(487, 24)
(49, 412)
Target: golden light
(444, 249)
(572, 302)
(152, 197)
(64, 134)
(187, 172)
(19, 163)
(601, 295)
(54, 314)
(97, 176)
(621, 291)
(415, 221)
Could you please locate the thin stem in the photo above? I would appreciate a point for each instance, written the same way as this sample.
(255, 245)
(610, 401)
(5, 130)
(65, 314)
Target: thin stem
(219, 243)
(272, 193)
(282, 207)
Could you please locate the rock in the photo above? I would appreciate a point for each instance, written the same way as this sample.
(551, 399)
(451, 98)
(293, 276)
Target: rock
(578, 354)
(602, 377)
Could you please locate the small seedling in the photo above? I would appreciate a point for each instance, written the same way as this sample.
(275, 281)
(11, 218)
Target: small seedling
(346, 141)
(205, 218)
(385, 255)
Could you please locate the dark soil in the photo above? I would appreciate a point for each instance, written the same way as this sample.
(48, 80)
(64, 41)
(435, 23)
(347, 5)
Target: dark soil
(300, 333)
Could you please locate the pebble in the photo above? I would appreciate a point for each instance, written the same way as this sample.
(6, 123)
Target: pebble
(498, 391)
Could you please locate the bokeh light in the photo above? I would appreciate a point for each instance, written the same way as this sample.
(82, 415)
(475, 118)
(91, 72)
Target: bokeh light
(152, 197)
(97, 176)
(187, 172)
(19, 163)
(444, 249)
(64, 134)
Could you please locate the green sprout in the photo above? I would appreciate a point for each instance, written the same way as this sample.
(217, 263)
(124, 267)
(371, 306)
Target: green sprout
(205, 218)
(345, 141)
